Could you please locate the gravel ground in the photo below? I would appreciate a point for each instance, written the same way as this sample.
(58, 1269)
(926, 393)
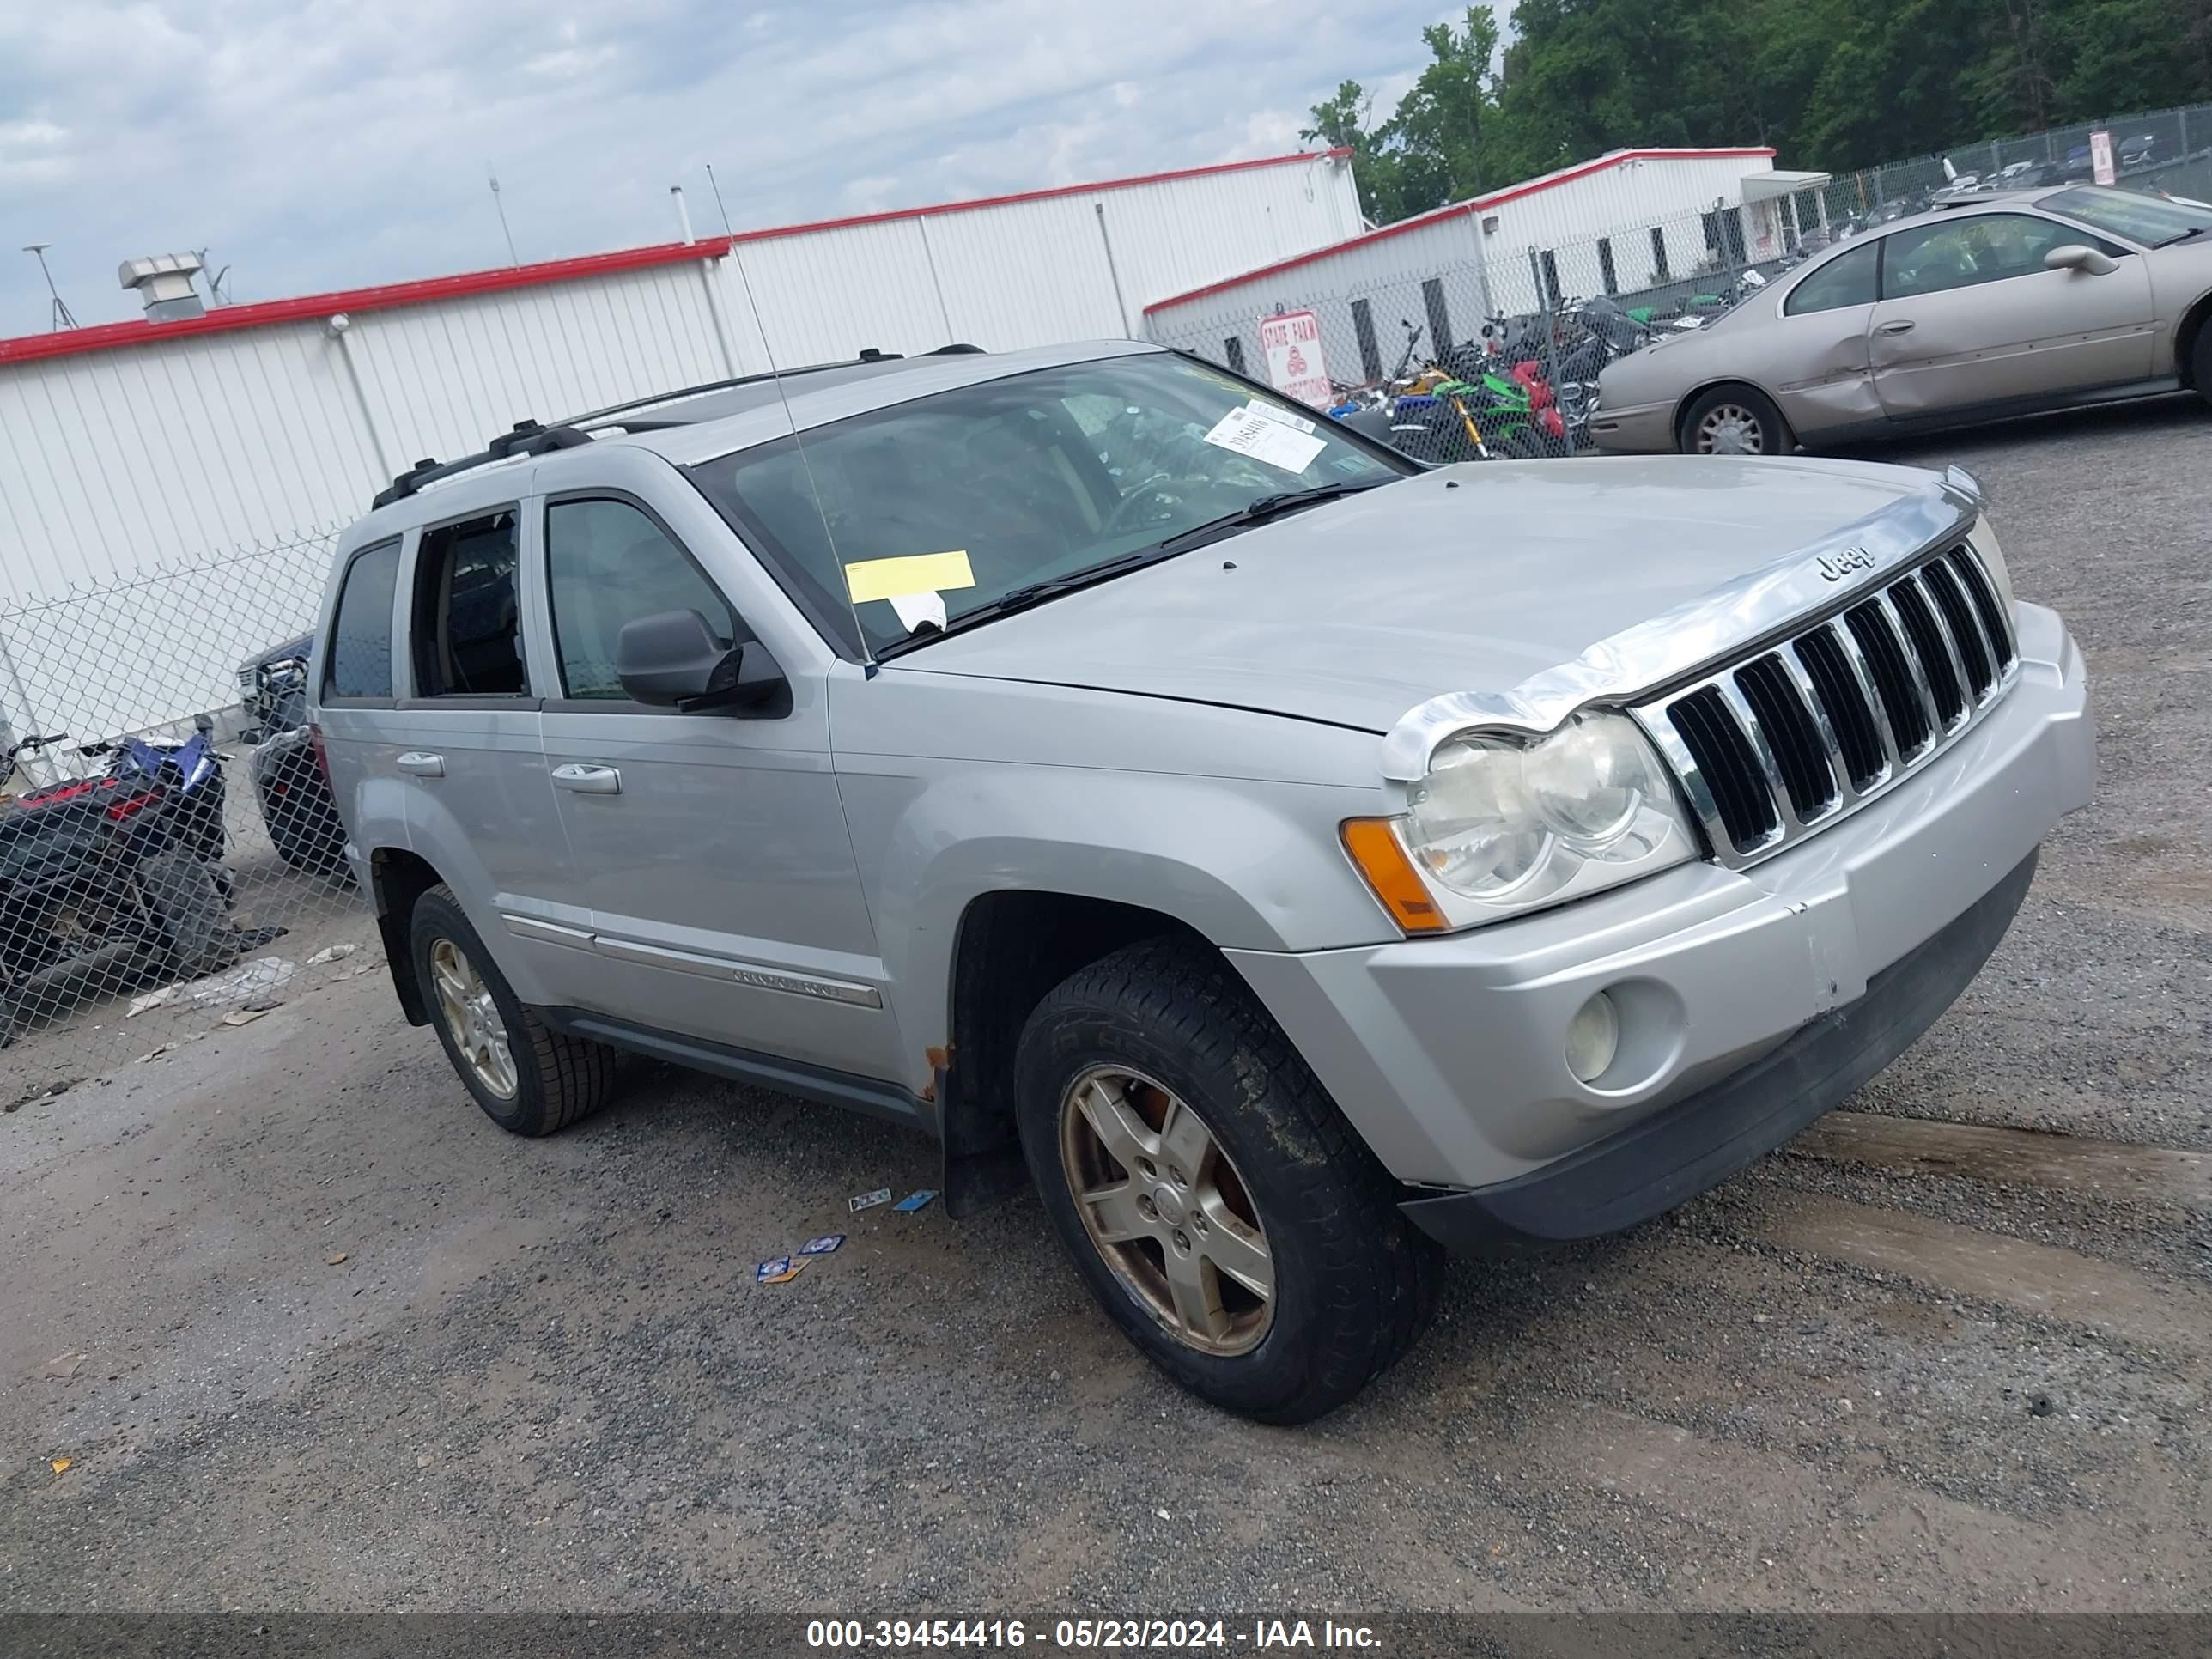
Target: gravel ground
(348, 1347)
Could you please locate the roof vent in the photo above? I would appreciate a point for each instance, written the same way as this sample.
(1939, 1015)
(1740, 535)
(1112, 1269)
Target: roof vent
(163, 283)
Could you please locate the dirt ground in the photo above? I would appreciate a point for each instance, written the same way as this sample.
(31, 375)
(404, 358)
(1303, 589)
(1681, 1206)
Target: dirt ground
(346, 1346)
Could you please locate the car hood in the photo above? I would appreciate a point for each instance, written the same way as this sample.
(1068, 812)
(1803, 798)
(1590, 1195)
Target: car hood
(1471, 579)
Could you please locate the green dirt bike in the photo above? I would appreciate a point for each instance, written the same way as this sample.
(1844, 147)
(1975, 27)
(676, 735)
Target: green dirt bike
(1454, 420)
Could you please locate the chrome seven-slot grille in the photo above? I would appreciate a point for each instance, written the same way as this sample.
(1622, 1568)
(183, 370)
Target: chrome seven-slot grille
(1774, 747)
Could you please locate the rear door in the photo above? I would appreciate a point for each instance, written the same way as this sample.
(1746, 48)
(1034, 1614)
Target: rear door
(467, 751)
(710, 846)
(1969, 316)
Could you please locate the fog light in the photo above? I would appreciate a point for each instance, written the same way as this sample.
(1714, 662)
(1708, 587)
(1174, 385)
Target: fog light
(1593, 1038)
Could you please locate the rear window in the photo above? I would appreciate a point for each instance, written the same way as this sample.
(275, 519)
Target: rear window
(361, 632)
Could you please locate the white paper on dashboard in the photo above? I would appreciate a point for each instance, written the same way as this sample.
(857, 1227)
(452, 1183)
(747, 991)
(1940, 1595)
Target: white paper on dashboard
(915, 609)
(1268, 441)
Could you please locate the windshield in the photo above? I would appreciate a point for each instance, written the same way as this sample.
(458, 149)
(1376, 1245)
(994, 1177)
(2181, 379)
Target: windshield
(2148, 220)
(937, 508)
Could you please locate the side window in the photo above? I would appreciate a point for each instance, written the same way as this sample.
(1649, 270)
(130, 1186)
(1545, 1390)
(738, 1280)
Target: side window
(1846, 280)
(1966, 252)
(608, 563)
(468, 629)
(361, 631)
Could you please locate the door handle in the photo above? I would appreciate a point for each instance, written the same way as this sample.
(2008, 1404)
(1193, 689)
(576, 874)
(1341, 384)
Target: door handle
(587, 780)
(418, 764)
(1903, 327)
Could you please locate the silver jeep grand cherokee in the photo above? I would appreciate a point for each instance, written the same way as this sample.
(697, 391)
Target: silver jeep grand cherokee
(1288, 860)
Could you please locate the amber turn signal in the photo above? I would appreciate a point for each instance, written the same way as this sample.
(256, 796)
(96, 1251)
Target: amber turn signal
(1382, 859)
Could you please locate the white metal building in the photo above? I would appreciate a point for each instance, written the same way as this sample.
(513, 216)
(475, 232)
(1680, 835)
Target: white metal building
(1624, 221)
(137, 443)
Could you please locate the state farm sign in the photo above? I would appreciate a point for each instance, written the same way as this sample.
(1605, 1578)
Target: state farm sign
(1295, 366)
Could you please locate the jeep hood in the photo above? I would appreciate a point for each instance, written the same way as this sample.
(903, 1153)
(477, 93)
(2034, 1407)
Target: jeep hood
(1471, 579)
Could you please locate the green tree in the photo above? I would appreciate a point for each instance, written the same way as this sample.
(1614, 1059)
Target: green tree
(1835, 84)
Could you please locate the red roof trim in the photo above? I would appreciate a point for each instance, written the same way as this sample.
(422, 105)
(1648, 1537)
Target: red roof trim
(68, 342)
(1421, 221)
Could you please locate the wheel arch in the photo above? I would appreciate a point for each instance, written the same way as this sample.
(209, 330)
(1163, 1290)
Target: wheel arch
(1714, 383)
(1011, 948)
(2193, 324)
(397, 878)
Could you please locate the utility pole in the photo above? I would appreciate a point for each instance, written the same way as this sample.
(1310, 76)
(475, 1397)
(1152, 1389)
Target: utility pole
(513, 257)
(59, 316)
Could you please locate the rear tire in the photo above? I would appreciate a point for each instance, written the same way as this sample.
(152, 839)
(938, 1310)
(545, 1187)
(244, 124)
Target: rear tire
(1732, 420)
(1236, 1128)
(188, 902)
(529, 1078)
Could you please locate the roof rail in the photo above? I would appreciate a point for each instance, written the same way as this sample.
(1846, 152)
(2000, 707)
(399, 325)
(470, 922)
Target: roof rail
(530, 437)
(527, 438)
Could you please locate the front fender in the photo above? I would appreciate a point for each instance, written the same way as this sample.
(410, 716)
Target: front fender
(1245, 864)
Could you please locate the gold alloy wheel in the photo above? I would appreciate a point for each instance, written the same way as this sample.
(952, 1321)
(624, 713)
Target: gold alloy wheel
(1166, 1209)
(1730, 429)
(472, 1018)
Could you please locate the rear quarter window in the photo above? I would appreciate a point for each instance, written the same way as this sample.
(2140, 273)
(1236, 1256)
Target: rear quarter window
(361, 628)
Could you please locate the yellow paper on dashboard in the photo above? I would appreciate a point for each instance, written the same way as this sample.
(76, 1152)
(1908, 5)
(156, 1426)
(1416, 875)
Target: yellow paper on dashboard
(916, 573)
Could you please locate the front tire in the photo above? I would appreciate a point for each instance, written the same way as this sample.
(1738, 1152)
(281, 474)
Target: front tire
(529, 1078)
(1732, 420)
(2200, 360)
(1214, 1199)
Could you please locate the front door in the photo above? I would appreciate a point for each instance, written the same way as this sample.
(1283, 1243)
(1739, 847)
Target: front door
(711, 847)
(1969, 316)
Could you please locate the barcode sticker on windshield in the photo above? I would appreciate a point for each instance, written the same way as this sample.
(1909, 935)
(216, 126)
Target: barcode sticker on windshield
(1266, 441)
(1295, 422)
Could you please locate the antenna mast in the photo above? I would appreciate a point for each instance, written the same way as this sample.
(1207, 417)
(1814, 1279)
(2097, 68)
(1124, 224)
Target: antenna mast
(513, 257)
(59, 316)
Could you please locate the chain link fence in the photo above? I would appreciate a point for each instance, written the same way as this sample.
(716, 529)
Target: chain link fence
(170, 854)
(169, 851)
(1503, 352)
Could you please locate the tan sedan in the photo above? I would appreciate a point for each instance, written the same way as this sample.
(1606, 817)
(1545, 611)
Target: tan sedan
(1993, 305)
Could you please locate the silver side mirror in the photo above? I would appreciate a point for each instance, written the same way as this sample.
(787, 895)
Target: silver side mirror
(2075, 256)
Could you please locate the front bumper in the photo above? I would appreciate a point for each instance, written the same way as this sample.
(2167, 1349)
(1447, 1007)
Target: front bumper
(1449, 1056)
(1671, 1157)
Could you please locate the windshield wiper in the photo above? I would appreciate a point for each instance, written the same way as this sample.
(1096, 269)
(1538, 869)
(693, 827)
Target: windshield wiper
(1259, 511)
(2194, 230)
(1029, 593)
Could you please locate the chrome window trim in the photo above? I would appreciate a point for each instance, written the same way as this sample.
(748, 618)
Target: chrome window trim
(1728, 624)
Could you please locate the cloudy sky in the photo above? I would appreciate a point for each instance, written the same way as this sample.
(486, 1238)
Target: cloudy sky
(325, 144)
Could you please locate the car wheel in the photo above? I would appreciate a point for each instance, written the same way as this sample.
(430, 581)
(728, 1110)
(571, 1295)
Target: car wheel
(1734, 420)
(529, 1078)
(1212, 1197)
(188, 902)
(2200, 360)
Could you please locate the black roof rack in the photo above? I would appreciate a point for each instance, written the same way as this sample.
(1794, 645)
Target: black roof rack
(531, 437)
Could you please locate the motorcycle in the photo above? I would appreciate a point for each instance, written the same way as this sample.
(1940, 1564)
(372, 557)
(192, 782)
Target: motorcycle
(108, 881)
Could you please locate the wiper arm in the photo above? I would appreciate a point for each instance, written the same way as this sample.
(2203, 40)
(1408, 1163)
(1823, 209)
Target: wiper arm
(1029, 593)
(2194, 230)
(1019, 598)
(1264, 508)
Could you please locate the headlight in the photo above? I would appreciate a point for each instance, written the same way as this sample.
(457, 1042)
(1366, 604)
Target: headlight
(1499, 825)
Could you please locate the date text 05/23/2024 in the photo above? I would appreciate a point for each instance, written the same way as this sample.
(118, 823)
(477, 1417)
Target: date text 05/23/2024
(856, 1635)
